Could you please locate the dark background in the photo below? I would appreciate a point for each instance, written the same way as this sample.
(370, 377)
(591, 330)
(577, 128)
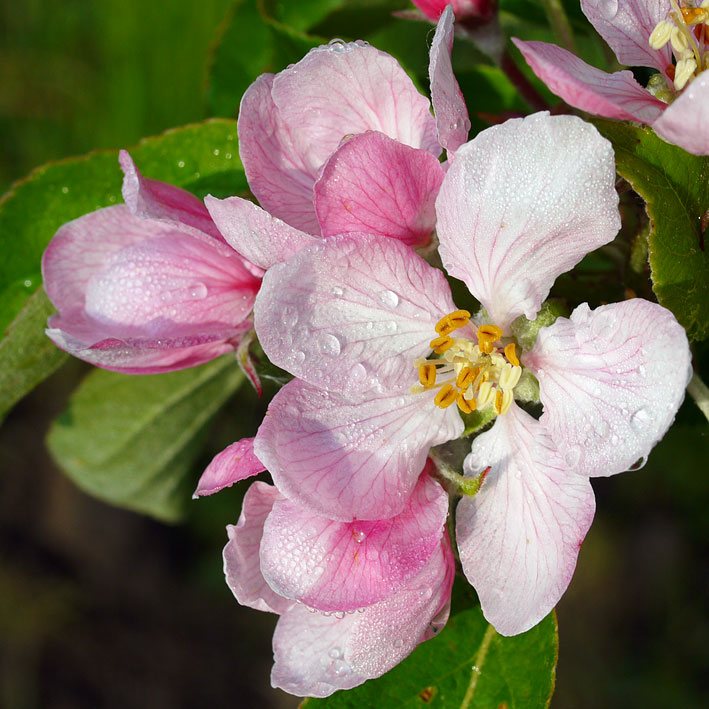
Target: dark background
(103, 608)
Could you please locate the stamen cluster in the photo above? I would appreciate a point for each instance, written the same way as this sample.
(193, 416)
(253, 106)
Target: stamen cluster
(686, 31)
(471, 375)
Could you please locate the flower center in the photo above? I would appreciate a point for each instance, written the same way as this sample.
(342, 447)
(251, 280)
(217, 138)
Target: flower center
(686, 31)
(471, 374)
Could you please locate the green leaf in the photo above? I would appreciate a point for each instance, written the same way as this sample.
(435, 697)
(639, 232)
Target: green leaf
(24, 361)
(468, 665)
(132, 440)
(675, 186)
(202, 158)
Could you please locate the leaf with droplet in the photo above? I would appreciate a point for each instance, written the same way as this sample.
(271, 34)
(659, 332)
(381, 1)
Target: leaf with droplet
(675, 187)
(467, 665)
(202, 158)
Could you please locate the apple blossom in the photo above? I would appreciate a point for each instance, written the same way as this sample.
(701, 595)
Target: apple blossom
(642, 33)
(385, 363)
(354, 599)
(148, 286)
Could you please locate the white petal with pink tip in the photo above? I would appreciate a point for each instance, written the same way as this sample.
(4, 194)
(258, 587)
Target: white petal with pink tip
(514, 213)
(350, 458)
(611, 381)
(519, 537)
(352, 313)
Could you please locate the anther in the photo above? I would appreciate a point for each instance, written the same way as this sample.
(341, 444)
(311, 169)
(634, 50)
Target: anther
(683, 72)
(446, 396)
(465, 378)
(661, 34)
(467, 407)
(489, 332)
(485, 346)
(693, 15)
(511, 354)
(452, 321)
(441, 344)
(498, 402)
(427, 375)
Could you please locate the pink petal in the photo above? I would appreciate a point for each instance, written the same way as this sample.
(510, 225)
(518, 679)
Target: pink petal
(627, 25)
(686, 120)
(341, 89)
(88, 340)
(241, 554)
(615, 95)
(348, 458)
(152, 199)
(80, 247)
(316, 654)
(252, 232)
(483, 9)
(352, 313)
(168, 281)
(519, 537)
(277, 171)
(342, 566)
(235, 463)
(523, 202)
(376, 185)
(452, 120)
(611, 382)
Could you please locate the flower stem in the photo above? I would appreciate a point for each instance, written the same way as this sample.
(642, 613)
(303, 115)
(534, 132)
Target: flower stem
(699, 391)
(466, 486)
(560, 24)
(522, 84)
(477, 666)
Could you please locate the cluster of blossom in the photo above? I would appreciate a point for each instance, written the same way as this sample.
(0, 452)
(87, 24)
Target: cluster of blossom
(350, 545)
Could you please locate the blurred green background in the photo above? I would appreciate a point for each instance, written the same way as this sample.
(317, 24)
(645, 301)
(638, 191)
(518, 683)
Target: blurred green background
(102, 608)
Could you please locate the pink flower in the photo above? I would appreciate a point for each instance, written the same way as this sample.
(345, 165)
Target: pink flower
(343, 142)
(355, 320)
(148, 286)
(476, 10)
(354, 598)
(642, 33)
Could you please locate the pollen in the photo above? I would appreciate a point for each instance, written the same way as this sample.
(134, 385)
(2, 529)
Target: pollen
(472, 374)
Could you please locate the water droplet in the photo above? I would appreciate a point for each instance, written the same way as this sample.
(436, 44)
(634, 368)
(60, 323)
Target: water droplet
(337, 45)
(358, 373)
(27, 283)
(572, 456)
(341, 668)
(359, 536)
(198, 291)
(216, 151)
(335, 653)
(289, 316)
(339, 614)
(614, 440)
(299, 357)
(330, 345)
(609, 8)
(181, 163)
(398, 642)
(389, 299)
(337, 292)
(640, 419)
(65, 190)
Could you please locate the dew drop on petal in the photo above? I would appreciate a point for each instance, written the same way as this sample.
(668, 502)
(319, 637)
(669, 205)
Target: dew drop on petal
(640, 419)
(337, 292)
(299, 357)
(389, 298)
(358, 373)
(198, 291)
(609, 8)
(289, 316)
(359, 536)
(572, 457)
(330, 345)
(335, 653)
(340, 667)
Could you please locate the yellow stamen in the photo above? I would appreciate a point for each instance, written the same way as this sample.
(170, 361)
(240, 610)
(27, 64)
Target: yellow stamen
(498, 402)
(441, 344)
(485, 346)
(693, 15)
(427, 375)
(511, 354)
(490, 332)
(446, 396)
(467, 407)
(452, 321)
(465, 378)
